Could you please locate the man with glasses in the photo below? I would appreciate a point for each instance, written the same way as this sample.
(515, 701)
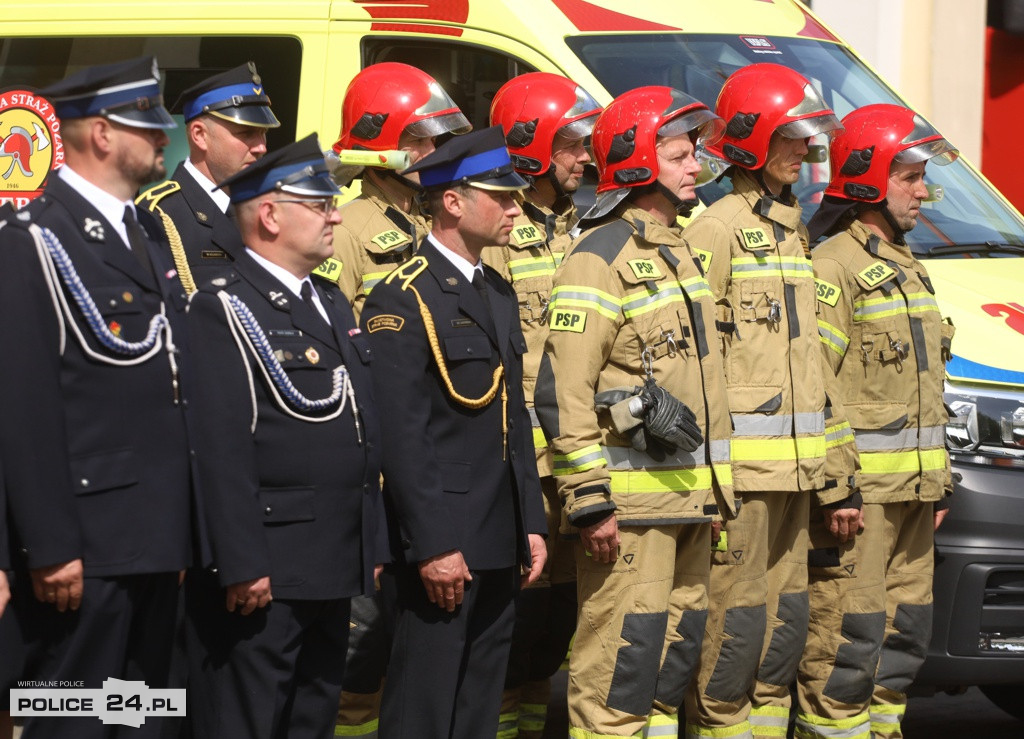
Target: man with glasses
(92, 434)
(226, 121)
(288, 457)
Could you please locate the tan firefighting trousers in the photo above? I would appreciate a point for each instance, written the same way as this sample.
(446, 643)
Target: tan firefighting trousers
(639, 632)
(757, 621)
(847, 624)
(901, 535)
(542, 633)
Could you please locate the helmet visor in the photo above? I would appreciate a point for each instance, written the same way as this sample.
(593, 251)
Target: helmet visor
(924, 143)
(807, 127)
(584, 105)
(452, 122)
(709, 126)
(580, 128)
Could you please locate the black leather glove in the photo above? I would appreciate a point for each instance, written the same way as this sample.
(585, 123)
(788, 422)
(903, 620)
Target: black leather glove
(668, 420)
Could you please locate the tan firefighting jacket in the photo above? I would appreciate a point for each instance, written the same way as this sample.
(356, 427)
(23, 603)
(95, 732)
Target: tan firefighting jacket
(529, 263)
(882, 334)
(373, 238)
(630, 293)
(788, 435)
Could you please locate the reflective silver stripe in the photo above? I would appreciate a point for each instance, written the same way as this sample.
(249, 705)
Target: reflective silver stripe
(778, 425)
(866, 309)
(635, 303)
(628, 458)
(860, 731)
(534, 421)
(918, 301)
(720, 450)
(586, 296)
(879, 441)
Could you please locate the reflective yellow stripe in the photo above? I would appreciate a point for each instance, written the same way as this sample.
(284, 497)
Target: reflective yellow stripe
(367, 730)
(741, 729)
(660, 481)
(795, 267)
(837, 435)
(507, 725)
(723, 472)
(532, 716)
(818, 727)
(538, 438)
(587, 458)
(913, 460)
(697, 287)
(639, 303)
(370, 279)
(833, 338)
(575, 733)
(777, 450)
(580, 296)
(522, 269)
(660, 725)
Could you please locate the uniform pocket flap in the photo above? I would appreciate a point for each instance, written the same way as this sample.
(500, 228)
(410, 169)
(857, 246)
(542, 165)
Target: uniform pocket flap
(888, 416)
(755, 398)
(458, 348)
(287, 505)
(455, 476)
(94, 473)
(518, 344)
(362, 347)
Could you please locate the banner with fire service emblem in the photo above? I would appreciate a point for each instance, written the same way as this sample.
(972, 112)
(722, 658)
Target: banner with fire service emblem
(30, 145)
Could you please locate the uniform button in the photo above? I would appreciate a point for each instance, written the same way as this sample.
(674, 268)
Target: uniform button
(469, 350)
(513, 454)
(113, 303)
(267, 511)
(84, 482)
(24, 550)
(192, 452)
(366, 488)
(183, 296)
(184, 402)
(511, 423)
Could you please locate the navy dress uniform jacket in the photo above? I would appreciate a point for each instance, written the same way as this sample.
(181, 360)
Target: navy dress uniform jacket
(210, 237)
(286, 497)
(95, 456)
(445, 483)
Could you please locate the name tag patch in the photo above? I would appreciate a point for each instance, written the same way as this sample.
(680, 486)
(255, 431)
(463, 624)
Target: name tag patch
(644, 269)
(385, 322)
(754, 239)
(390, 239)
(876, 274)
(329, 268)
(526, 234)
(213, 254)
(568, 320)
(827, 292)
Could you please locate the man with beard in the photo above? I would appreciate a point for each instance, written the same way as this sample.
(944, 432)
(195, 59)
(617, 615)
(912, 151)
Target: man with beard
(882, 335)
(93, 432)
(547, 120)
(226, 122)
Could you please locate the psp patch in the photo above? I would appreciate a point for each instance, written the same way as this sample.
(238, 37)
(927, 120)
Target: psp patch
(644, 269)
(526, 234)
(568, 320)
(330, 269)
(704, 256)
(876, 274)
(754, 239)
(827, 292)
(390, 239)
(385, 322)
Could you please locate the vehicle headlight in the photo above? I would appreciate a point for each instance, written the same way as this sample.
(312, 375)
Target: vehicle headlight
(986, 426)
(962, 428)
(1011, 427)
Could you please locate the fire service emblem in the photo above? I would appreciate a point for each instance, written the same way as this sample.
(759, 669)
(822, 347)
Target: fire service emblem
(30, 145)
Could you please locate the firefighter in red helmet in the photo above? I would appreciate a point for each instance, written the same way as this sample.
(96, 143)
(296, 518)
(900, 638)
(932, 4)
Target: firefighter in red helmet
(631, 395)
(387, 106)
(547, 120)
(883, 337)
(790, 443)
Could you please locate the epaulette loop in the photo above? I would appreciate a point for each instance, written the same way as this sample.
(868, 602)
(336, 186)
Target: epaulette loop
(408, 271)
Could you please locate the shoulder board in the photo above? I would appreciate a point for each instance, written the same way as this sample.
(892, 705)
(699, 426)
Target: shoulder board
(408, 272)
(329, 270)
(605, 241)
(151, 198)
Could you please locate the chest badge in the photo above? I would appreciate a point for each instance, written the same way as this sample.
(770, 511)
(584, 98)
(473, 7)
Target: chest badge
(312, 355)
(755, 239)
(93, 229)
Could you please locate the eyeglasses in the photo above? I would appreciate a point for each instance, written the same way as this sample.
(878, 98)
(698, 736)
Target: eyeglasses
(324, 206)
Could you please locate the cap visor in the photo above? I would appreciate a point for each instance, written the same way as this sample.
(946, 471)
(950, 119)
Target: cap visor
(510, 181)
(157, 117)
(260, 116)
(313, 186)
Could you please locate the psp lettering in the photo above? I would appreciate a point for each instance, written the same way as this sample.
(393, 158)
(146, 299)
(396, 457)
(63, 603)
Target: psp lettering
(568, 320)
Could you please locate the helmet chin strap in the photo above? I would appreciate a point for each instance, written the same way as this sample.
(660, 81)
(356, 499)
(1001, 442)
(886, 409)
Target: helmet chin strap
(784, 193)
(403, 181)
(897, 232)
(682, 207)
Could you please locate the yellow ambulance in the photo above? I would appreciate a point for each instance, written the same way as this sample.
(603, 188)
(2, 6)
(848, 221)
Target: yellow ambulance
(307, 50)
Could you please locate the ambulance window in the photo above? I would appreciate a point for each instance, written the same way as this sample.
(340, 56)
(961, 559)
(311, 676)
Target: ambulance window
(184, 60)
(470, 74)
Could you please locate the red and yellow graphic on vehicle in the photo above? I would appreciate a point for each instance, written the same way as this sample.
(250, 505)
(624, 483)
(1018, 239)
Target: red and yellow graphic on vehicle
(30, 145)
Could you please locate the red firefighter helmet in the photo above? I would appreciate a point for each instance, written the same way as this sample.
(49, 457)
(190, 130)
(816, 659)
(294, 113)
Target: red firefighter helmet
(626, 133)
(386, 99)
(532, 108)
(873, 137)
(760, 99)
